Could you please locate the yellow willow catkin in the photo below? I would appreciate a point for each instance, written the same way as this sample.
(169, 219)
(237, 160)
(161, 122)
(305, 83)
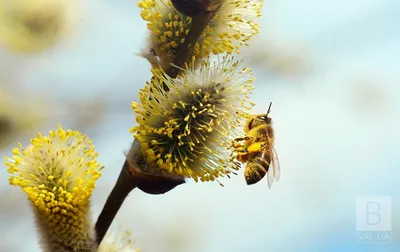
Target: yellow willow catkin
(58, 173)
(232, 26)
(32, 26)
(188, 129)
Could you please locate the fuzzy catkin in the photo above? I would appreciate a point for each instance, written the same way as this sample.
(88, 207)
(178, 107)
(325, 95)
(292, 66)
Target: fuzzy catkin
(232, 26)
(187, 128)
(58, 173)
(49, 242)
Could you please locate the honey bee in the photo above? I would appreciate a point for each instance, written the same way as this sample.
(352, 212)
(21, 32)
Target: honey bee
(257, 150)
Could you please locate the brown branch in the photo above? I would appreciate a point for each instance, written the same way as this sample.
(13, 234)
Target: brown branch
(124, 185)
(198, 25)
(129, 179)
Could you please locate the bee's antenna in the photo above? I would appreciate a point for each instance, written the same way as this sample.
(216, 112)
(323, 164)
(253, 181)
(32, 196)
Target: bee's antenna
(269, 108)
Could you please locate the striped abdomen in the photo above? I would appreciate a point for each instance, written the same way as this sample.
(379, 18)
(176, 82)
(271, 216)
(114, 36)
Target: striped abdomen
(257, 168)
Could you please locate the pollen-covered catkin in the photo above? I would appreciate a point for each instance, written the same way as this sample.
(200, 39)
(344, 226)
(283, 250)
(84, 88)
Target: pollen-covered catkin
(58, 174)
(188, 129)
(231, 27)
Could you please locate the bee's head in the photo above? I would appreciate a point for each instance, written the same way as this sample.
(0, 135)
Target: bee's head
(259, 120)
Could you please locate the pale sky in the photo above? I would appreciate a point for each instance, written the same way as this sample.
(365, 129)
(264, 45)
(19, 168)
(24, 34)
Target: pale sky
(336, 129)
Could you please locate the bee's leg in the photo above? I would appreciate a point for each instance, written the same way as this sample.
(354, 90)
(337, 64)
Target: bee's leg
(239, 151)
(238, 139)
(242, 151)
(256, 147)
(241, 154)
(236, 145)
(235, 141)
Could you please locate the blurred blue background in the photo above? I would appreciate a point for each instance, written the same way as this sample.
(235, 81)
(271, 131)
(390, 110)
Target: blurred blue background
(331, 69)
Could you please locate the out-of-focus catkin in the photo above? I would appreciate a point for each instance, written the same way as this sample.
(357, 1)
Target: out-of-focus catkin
(58, 174)
(33, 26)
(118, 241)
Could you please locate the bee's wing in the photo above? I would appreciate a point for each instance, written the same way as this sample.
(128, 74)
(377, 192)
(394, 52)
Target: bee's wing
(270, 178)
(275, 165)
(274, 168)
(266, 155)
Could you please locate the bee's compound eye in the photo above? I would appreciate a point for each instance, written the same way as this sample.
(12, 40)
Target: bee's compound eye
(263, 118)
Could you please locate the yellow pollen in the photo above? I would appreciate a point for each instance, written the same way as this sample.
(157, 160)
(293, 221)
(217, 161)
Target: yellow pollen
(59, 186)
